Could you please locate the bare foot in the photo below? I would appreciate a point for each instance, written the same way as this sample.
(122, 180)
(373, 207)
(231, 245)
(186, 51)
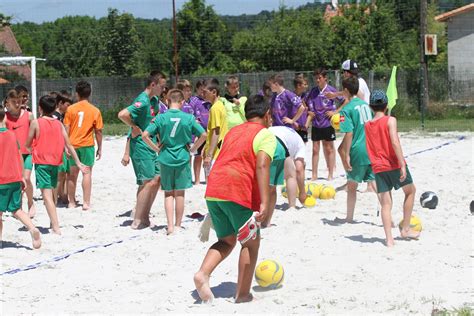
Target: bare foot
(86, 207)
(409, 234)
(202, 286)
(343, 220)
(32, 211)
(36, 238)
(170, 231)
(244, 299)
(389, 243)
(56, 231)
(314, 179)
(330, 178)
(72, 205)
(138, 224)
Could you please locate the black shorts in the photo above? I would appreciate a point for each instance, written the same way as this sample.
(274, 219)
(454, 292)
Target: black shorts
(199, 150)
(303, 134)
(325, 133)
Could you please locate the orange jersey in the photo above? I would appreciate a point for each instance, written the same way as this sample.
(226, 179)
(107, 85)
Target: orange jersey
(82, 118)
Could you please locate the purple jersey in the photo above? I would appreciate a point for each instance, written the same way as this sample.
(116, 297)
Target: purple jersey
(319, 105)
(302, 120)
(187, 108)
(201, 110)
(163, 107)
(285, 104)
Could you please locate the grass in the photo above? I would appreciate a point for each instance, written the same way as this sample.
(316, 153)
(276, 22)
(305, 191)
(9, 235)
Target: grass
(444, 125)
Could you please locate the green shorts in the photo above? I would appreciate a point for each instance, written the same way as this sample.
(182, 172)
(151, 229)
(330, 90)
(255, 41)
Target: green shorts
(388, 180)
(86, 156)
(227, 217)
(46, 176)
(176, 178)
(277, 175)
(27, 161)
(10, 197)
(146, 169)
(65, 166)
(360, 174)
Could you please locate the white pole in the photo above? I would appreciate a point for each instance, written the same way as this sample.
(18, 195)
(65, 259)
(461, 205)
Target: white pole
(33, 87)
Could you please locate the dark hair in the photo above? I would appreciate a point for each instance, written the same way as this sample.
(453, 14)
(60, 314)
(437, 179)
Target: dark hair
(320, 72)
(155, 77)
(2, 113)
(175, 96)
(351, 84)
(378, 107)
(164, 92)
(21, 88)
(256, 106)
(199, 84)
(63, 96)
(47, 103)
(212, 85)
(83, 89)
(231, 79)
(299, 79)
(277, 78)
(183, 83)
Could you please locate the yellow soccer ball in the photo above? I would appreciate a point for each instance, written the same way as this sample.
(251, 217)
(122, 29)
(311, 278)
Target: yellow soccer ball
(269, 274)
(283, 191)
(310, 201)
(327, 192)
(415, 224)
(317, 190)
(335, 119)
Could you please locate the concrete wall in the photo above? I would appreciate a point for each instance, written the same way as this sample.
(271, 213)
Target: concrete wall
(461, 46)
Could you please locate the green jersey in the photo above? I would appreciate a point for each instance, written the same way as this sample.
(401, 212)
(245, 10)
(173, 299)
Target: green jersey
(175, 129)
(235, 113)
(140, 112)
(353, 118)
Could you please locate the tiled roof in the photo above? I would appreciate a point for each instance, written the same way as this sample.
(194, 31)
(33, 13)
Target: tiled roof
(445, 16)
(9, 43)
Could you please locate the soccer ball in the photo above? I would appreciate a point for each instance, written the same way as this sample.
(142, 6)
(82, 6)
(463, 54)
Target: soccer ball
(327, 192)
(335, 119)
(310, 201)
(269, 274)
(283, 191)
(415, 224)
(313, 189)
(429, 200)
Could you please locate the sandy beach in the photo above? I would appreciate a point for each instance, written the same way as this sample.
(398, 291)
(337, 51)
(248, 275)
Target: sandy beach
(100, 265)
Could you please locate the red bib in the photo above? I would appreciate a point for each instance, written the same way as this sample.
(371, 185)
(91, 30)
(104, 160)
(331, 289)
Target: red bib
(10, 163)
(48, 148)
(20, 126)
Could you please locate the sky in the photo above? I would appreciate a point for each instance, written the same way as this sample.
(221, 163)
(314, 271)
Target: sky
(39, 11)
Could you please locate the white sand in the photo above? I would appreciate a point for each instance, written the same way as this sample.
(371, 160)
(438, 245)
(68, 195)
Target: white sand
(328, 268)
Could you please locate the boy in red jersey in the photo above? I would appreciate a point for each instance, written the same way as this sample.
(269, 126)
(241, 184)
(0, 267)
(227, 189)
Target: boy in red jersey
(18, 121)
(237, 197)
(386, 157)
(12, 181)
(50, 137)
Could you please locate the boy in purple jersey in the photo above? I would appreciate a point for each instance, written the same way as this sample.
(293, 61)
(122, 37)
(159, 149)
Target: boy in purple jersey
(301, 86)
(185, 86)
(286, 106)
(201, 112)
(319, 107)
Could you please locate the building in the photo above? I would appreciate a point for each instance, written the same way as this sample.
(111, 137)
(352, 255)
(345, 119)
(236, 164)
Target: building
(10, 47)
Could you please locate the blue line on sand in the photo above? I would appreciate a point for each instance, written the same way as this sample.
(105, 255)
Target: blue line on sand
(67, 255)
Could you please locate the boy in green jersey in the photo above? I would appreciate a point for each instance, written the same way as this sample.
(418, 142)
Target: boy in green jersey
(144, 160)
(234, 103)
(174, 130)
(352, 150)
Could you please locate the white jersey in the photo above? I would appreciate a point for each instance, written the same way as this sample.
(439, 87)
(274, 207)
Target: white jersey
(291, 139)
(364, 88)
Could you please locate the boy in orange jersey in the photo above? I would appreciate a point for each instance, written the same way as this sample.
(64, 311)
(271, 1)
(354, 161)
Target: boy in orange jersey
(237, 197)
(12, 181)
(81, 120)
(18, 121)
(49, 137)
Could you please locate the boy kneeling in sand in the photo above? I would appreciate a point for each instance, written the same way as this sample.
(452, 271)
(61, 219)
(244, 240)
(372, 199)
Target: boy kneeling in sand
(237, 197)
(12, 181)
(386, 157)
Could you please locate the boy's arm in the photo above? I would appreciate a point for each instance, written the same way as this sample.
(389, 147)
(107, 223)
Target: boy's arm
(147, 139)
(198, 142)
(344, 151)
(263, 180)
(212, 146)
(126, 154)
(98, 138)
(24, 184)
(31, 134)
(125, 117)
(296, 117)
(72, 151)
(392, 130)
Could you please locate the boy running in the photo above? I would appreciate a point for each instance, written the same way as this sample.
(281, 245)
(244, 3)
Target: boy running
(352, 150)
(12, 181)
(237, 197)
(144, 160)
(49, 138)
(81, 120)
(386, 156)
(174, 130)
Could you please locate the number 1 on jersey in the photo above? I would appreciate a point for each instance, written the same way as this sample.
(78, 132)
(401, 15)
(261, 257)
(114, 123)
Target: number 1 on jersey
(175, 126)
(81, 118)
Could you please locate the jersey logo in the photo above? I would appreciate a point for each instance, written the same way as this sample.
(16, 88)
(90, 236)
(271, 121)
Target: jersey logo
(342, 118)
(152, 111)
(16, 127)
(137, 104)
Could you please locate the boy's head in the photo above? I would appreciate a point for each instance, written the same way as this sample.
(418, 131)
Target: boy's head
(175, 98)
(378, 101)
(300, 83)
(12, 102)
(211, 90)
(23, 94)
(232, 85)
(258, 107)
(200, 88)
(83, 90)
(47, 105)
(320, 77)
(185, 86)
(351, 86)
(350, 68)
(63, 101)
(156, 82)
(276, 82)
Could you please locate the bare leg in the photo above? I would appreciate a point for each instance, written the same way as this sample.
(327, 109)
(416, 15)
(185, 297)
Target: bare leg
(315, 161)
(330, 155)
(351, 202)
(179, 206)
(197, 164)
(143, 196)
(247, 262)
(406, 231)
(29, 193)
(271, 208)
(48, 200)
(386, 202)
(218, 252)
(87, 189)
(25, 220)
(62, 187)
(291, 184)
(155, 186)
(169, 210)
(300, 177)
(71, 186)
